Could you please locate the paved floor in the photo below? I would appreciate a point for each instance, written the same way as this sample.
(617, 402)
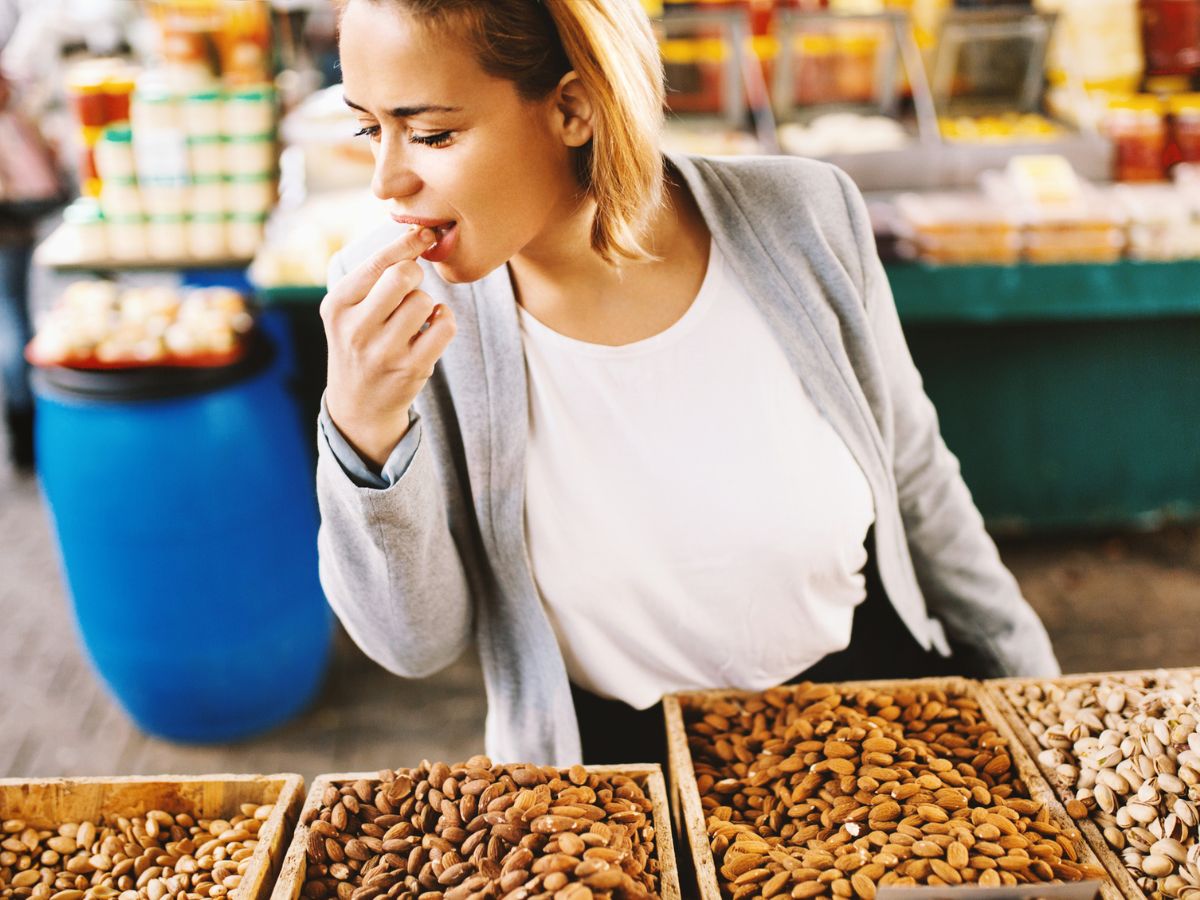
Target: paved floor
(1109, 602)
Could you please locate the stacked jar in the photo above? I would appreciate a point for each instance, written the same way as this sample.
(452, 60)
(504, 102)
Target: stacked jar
(250, 158)
(1138, 131)
(99, 91)
(160, 155)
(1185, 127)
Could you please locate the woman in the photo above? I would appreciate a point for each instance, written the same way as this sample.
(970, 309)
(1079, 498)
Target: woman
(633, 424)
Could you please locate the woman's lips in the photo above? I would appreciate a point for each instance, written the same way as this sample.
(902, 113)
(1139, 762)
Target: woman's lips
(446, 231)
(447, 238)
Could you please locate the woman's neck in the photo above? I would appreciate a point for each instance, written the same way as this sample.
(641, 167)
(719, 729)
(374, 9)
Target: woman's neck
(565, 285)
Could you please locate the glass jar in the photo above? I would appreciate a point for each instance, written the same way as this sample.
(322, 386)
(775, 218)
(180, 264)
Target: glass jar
(206, 155)
(1171, 33)
(1185, 127)
(816, 79)
(203, 111)
(114, 153)
(1139, 135)
(207, 236)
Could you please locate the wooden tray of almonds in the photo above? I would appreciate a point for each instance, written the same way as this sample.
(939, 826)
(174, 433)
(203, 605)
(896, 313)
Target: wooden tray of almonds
(146, 838)
(1123, 751)
(816, 790)
(476, 830)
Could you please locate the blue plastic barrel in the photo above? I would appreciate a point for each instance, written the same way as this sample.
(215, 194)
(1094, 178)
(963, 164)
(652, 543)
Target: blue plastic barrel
(186, 519)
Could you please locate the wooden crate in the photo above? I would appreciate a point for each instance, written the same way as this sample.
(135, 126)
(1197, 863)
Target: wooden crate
(49, 803)
(649, 777)
(1020, 724)
(687, 796)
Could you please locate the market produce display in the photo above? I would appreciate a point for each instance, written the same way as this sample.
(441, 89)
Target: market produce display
(477, 830)
(1125, 748)
(145, 857)
(815, 790)
(97, 324)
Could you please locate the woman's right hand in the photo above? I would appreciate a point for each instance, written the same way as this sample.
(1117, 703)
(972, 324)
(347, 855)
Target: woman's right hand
(380, 351)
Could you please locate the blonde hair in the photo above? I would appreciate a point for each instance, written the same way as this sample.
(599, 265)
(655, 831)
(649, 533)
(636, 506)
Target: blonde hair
(609, 44)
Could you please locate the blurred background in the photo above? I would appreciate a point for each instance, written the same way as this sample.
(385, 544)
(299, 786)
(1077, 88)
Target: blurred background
(175, 175)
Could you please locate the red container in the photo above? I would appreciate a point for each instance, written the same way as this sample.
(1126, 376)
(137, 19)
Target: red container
(1185, 127)
(1139, 134)
(1171, 36)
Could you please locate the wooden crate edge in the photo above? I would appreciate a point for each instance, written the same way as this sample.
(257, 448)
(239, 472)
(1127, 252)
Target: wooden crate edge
(691, 811)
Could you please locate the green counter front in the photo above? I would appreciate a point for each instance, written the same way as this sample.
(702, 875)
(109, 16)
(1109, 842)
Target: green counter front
(1070, 394)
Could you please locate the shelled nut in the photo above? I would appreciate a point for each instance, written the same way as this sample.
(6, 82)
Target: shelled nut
(1127, 747)
(476, 830)
(150, 857)
(811, 792)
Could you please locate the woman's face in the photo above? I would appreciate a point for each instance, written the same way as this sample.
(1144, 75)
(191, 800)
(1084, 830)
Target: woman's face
(455, 148)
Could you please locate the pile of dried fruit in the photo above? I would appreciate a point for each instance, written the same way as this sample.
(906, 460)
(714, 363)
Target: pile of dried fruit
(811, 792)
(475, 831)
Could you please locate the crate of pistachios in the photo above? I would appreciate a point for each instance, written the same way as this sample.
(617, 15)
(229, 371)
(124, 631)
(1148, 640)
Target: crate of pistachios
(819, 790)
(1123, 751)
(146, 838)
(476, 830)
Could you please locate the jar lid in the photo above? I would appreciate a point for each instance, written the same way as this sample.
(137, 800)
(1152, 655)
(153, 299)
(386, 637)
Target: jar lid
(165, 181)
(1147, 103)
(84, 211)
(254, 93)
(203, 95)
(1185, 103)
(765, 46)
(118, 134)
(153, 93)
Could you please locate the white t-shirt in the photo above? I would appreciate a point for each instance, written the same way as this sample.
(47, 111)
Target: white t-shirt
(692, 520)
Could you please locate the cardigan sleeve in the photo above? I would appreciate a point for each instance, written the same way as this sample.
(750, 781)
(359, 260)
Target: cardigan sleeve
(965, 584)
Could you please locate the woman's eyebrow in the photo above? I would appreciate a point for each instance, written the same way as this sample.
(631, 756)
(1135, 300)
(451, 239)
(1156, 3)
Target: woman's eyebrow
(407, 112)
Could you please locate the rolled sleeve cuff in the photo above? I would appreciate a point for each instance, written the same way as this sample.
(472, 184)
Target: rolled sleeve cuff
(359, 470)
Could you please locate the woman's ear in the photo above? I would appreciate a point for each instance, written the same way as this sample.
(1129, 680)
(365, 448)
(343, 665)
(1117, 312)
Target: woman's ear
(572, 111)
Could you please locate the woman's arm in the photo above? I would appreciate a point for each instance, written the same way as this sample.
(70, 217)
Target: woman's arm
(965, 584)
(389, 565)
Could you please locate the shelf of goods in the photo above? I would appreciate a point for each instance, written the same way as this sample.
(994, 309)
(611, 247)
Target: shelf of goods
(476, 827)
(1066, 391)
(97, 837)
(1123, 752)
(815, 790)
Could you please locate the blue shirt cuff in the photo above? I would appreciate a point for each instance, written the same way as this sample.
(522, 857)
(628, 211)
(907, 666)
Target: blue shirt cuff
(358, 470)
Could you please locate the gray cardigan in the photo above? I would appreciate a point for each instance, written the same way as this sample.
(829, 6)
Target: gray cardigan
(418, 563)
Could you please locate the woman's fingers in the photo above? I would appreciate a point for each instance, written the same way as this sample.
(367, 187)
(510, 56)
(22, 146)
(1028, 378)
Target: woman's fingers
(357, 284)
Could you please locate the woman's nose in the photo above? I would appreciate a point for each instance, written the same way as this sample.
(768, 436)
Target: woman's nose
(393, 176)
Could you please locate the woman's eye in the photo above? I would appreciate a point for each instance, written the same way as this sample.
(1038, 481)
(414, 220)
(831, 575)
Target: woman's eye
(432, 140)
(367, 131)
